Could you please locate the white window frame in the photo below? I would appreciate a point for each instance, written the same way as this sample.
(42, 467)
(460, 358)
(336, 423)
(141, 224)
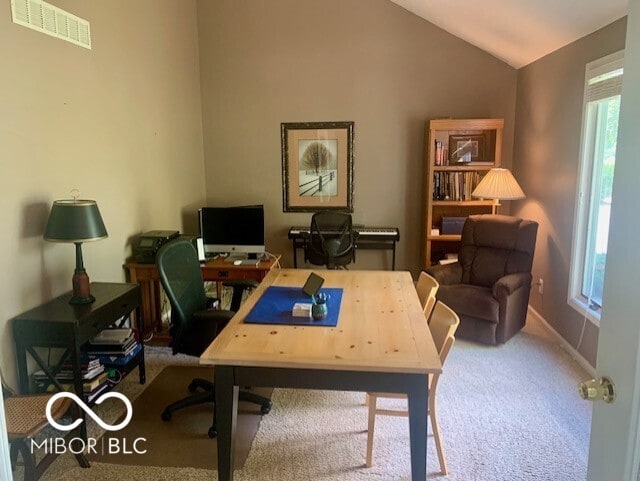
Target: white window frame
(575, 298)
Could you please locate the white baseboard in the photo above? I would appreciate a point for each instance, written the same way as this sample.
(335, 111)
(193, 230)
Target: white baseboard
(563, 342)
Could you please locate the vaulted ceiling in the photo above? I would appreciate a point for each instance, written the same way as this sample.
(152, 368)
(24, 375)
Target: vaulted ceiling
(518, 31)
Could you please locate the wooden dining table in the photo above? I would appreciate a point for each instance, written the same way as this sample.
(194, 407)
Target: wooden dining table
(381, 343)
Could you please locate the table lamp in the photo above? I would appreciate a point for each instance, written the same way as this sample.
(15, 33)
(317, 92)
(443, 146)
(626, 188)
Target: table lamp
(76, 221)
(498, 184)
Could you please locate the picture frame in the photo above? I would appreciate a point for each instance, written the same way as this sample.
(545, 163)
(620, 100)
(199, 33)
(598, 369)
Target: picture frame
(464, 149)
(317, 166)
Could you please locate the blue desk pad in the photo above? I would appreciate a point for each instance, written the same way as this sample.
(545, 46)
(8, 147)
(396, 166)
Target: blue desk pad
(276, 304)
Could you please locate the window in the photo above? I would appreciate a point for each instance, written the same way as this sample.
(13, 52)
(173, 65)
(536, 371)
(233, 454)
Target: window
(603, 83)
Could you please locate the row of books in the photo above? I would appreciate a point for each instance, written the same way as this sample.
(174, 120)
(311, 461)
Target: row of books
(442, 154)
(111, 348)
(455, 185)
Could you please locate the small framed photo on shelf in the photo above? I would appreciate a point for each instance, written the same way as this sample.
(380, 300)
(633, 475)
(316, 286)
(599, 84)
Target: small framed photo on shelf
(317, 166)
(466, 149)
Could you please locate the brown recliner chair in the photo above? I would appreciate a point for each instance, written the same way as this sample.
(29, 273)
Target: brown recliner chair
(489, 285)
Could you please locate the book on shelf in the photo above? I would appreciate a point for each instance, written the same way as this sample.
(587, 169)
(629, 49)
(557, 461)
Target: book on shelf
(438, 152)
(112, 336)
(121, 346)
(120, 359)
(66, 374)
(88, 386)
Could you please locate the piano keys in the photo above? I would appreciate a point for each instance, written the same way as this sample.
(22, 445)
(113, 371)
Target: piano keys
(366, 237)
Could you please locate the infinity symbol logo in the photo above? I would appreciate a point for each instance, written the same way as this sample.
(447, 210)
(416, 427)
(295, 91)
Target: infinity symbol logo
(89, 412)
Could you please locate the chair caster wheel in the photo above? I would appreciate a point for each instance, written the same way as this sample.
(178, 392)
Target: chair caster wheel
(166, 416)
(212, 433)
(193, 387)
(265, 409)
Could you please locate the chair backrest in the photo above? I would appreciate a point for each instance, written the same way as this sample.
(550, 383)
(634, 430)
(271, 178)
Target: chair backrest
(427, 288)
(331, 238)
(181, 278)
(6, 390)
(443, 326)
(494, 246)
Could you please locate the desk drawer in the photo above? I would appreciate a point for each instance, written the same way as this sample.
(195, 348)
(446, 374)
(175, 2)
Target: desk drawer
(106, 317)
(213, 274)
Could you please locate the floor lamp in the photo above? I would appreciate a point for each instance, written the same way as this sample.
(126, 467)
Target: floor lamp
(498, 184)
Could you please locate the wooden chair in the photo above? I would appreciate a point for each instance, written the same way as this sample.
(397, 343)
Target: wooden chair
(25, 416)
(444, 323)
(427, 288)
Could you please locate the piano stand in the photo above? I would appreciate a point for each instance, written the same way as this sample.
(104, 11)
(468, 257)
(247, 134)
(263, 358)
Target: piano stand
(368, 238)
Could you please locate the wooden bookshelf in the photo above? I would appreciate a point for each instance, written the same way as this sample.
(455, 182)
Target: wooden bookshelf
(458, 153)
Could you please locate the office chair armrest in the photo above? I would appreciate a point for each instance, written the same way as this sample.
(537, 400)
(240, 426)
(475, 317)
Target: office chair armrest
(219, 318)
(241, 283)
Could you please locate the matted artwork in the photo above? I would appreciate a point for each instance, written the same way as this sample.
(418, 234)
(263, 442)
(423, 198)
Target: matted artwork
(317, 166)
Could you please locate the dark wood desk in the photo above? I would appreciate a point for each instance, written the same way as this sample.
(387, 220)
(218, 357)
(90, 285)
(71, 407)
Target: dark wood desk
(213, 270)
(382, 345)
(59, 324)
(367, 238)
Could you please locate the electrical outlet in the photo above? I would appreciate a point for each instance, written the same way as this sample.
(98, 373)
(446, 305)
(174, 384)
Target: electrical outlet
(540, 286)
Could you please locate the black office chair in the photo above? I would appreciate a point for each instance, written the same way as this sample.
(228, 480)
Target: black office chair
(194, 324)
(331, 240)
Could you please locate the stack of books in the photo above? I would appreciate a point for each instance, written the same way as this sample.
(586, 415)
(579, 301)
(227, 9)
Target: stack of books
(94, 378)
(114, 347)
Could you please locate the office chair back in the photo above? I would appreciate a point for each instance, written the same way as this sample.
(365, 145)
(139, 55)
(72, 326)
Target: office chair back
(331, 241)
(181, 278)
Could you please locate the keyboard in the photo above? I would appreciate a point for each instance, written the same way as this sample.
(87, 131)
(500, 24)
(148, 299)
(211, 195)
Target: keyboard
(374, 233)
(243, 262)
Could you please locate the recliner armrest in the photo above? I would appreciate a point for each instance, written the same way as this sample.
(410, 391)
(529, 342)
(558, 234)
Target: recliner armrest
(508, 284)
(446, 274)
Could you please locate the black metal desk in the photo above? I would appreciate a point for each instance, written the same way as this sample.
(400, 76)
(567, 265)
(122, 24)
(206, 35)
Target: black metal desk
(373, 238)
(62, 325)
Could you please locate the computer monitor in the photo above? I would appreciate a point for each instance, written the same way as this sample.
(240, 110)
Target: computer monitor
(233, 230)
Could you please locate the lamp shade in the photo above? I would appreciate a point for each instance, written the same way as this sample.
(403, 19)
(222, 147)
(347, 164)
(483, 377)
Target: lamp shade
(498, 184)
(75, 220)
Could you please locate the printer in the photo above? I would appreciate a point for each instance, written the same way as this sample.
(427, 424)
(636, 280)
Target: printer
(147, 244)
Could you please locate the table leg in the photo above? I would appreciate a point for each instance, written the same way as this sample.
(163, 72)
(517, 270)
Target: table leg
(295, 254)
(23, 374)
(393, 262)
(226, 410)
(139, 326)
(76, 362)
(418, 396)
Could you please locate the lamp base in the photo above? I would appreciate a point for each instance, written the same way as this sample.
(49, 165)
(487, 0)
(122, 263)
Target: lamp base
(81, 294)
(82, 300)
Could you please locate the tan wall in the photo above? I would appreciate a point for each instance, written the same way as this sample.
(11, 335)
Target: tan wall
(120, 122)
(367, 61)
(546, 153)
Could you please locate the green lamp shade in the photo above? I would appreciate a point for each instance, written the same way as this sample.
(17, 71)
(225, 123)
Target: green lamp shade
(75, 221)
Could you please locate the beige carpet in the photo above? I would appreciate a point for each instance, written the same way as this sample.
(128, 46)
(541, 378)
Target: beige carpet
(183, 441)
(507, 413)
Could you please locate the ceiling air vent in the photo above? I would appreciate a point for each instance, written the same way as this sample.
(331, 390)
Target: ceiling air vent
(51, 20)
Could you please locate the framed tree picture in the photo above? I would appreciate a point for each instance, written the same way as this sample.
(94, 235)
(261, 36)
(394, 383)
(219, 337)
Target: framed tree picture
(317, 166)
